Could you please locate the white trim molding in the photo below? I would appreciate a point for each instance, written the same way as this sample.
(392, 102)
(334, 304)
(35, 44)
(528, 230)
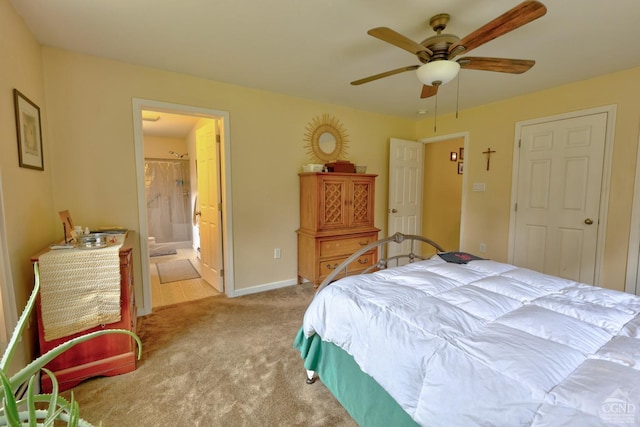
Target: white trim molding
(632, 283)
(227, 242)
(465, 136)
(266, 287)
(9, 313)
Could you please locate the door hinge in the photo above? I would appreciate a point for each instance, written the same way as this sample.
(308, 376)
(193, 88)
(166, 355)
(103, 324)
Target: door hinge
(218, 139)
(516, 207)
(519, 143)
(222, 272)
(220, 207)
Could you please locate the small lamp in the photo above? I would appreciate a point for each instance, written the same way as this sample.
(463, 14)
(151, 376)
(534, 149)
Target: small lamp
(439, 72)
(453, 156)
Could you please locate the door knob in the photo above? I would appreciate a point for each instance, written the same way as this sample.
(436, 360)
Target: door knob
(394, 210)
(588, 221)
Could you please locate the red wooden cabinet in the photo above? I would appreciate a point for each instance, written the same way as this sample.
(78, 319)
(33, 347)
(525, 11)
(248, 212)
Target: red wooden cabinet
(105, 355)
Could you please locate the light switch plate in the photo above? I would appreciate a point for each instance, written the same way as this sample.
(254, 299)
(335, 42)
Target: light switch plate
(479, 186)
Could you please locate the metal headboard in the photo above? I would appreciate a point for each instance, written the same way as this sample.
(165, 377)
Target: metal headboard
(383, 263)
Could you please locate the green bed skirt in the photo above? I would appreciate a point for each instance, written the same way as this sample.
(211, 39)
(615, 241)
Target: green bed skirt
(363, 398)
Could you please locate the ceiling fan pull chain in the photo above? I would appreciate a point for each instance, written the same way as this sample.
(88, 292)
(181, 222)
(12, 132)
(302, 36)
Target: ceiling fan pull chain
(458, 96)
(435, 115)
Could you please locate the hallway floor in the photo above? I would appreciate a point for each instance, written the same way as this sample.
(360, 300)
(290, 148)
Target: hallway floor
(181, 291)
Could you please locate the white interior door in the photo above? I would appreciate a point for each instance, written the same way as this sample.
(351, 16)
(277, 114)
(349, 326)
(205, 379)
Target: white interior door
(210, 205)
(406, 164)
(559, 187)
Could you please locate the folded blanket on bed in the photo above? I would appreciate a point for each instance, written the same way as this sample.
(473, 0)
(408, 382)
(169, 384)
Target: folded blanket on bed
(487, 343)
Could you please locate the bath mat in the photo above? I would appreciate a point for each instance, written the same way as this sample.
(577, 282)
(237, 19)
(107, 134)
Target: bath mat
(173, 271)
(161, 252)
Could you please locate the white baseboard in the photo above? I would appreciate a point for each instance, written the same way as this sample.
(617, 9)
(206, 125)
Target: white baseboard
(265, 287)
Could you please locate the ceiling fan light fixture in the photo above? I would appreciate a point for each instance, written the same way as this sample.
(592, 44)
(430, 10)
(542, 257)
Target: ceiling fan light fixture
(436, 73)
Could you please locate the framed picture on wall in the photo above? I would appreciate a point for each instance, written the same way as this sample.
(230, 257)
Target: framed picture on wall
(460, 168)
(29, 132)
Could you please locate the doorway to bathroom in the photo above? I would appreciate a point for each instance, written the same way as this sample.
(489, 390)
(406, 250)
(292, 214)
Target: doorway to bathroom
(167, 192)
(174, 255)
(174, 201)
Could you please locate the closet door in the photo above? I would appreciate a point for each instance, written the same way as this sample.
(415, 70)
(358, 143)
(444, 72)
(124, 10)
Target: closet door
(559, 192)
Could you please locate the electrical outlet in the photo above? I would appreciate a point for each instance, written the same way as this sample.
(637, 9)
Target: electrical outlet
(483, 247)
(277, 253)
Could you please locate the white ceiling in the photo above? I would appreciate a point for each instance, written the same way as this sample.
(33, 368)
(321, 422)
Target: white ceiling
(168, 125)
(313, 48)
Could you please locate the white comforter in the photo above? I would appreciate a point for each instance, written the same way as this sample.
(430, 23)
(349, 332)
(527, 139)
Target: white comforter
(489, 344)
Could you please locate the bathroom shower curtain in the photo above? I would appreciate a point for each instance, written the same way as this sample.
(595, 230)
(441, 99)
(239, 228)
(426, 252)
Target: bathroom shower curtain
(167, 194)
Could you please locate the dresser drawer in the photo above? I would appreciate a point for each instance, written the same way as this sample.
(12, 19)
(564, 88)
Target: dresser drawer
(359, 264)
(337, 247)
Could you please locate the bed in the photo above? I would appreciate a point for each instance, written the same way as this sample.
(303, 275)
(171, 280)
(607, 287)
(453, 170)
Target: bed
(454, 340)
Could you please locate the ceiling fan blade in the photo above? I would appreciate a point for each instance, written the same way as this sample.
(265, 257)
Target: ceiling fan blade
(520, 15)
(390, 36)
(502, 65)
(428, 91)
(385, 74)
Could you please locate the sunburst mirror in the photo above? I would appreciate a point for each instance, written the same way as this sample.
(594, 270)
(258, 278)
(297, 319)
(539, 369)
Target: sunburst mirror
(326, 138)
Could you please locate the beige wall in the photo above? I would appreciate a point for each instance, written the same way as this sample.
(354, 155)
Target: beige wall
(90, 167)
(89, 101)
(28, 202)
(442, 194)
(487, 213)
(158, 147)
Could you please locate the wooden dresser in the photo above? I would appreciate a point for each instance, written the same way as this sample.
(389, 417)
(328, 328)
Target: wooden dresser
(106, 355)
(336, 219)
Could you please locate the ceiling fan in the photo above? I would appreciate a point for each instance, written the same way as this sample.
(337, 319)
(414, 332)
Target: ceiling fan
(436, 53)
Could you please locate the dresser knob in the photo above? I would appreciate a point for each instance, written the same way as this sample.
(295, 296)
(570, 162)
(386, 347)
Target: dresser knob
(332, 268)
(363, 261)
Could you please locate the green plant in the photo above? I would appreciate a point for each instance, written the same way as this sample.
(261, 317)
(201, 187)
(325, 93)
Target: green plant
(40, 409)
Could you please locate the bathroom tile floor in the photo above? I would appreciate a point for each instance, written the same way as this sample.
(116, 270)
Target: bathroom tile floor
(181, 291)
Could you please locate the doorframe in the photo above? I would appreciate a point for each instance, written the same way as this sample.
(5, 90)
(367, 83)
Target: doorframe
(606, 178)
(140, 104)
(632, 283)
(465, 136)
(8, 309)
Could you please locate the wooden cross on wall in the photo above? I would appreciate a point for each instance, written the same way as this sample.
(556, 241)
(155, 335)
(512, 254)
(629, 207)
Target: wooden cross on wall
(488, 153)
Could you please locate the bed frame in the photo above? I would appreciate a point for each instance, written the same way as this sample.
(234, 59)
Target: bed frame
(415, 245)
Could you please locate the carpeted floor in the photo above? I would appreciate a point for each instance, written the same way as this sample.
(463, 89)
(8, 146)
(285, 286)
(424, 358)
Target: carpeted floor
(217, 362)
